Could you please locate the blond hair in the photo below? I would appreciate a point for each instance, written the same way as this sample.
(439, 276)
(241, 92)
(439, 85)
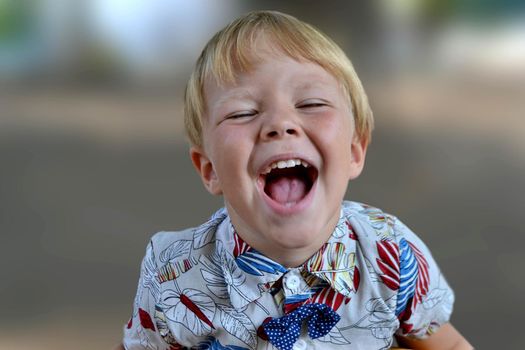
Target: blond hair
(230, 51)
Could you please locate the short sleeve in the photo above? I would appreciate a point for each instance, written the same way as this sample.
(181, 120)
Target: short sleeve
(424, 299)
(141, 332)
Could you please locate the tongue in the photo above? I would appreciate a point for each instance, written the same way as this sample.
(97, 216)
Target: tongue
(287, 189)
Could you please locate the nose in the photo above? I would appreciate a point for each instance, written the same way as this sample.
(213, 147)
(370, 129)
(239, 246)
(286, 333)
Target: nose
(279, 125)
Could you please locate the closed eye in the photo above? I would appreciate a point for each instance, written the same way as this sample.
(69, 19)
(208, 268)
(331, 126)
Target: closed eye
(312, 104)
(240, 115)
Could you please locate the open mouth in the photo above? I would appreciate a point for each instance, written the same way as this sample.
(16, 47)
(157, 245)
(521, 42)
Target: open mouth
(288, 182)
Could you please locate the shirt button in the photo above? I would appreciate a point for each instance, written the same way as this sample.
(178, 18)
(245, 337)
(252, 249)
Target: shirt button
(299, 345)
(292, 282)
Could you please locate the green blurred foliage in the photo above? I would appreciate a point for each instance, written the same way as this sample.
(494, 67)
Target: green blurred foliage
(475, 10)
(16, 20)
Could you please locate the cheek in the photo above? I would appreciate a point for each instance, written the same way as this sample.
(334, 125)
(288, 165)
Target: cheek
(230, 149)
(232, 141)
(334, 130)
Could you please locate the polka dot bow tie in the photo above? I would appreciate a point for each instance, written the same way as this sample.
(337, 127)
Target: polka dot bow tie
(284, 331)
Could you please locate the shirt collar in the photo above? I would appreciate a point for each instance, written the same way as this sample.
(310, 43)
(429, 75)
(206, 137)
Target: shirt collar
(254, 274)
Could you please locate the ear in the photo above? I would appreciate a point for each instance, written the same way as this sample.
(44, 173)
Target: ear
(358, 153)
(204, 167)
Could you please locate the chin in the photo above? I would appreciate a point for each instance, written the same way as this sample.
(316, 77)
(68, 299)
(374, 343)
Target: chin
(298, 236)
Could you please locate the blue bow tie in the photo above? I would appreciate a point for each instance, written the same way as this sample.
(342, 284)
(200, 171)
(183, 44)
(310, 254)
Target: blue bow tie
(284, 331)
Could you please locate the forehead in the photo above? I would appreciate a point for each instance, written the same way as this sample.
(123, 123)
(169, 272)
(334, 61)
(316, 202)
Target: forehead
(225, 63)
(229, 69)
(270, 69)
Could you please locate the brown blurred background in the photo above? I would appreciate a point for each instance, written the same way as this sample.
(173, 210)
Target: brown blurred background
(94, 159)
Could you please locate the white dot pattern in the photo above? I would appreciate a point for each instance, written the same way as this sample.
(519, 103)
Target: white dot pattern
(284, 331)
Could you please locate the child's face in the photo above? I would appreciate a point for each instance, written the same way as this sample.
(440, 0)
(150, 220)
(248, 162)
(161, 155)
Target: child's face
(279, 113)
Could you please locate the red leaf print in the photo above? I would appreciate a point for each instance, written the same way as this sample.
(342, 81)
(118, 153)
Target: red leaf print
(195, 309)
(405, 315)
(388, 263)
(357, 278)
(130, 323)
(351, 232)
(407, 327)
(240, 247)
(423, 278)
(289, 307)
(329, 297)
(190, 308)
(145, 320)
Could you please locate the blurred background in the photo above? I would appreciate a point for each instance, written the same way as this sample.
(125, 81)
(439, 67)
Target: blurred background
(94, 159)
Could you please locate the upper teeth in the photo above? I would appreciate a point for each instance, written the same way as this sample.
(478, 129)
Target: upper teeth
(281, 164)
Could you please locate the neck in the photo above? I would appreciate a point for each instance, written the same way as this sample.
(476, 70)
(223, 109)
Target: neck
(283, 242)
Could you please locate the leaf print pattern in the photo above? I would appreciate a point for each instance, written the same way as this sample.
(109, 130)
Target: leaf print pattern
(231, 272)
(371, 272)
(148, 284)
(255, 263)
(356, 278)
(162, 326)
(212, 274)
(334, 337)
(192, 309)
(225, 278)
(351, 232)
(171, 271)
(376, 217)
(413, 276)
(294, 301)
(205, 233)
(149, 269)
(331, 257)
(239, 325)
(251, 261)
(209, 289)
(434, 298)
(340, 229)
(330, 297)
(213, 344)
(423, 278)
(378, 320)
(241, 246)
(145, 320)
(145, 341)
(333, 264)
(405, 269)
(388, 263)
(176, 250)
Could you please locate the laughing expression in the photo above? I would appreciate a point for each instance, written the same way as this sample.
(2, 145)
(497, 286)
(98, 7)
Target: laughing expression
(279, 145)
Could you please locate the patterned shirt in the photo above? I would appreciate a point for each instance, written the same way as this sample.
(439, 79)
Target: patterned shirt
(205, 288)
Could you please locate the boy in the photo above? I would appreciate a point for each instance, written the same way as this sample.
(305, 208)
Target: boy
(279, 123)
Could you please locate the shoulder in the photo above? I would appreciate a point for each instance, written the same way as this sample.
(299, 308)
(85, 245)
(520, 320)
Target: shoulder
(399, 262)
(370, 223)
(163, 239)
(190, 243)
(377, 230)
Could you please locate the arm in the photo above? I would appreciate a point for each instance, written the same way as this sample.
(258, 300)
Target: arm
(446, 338)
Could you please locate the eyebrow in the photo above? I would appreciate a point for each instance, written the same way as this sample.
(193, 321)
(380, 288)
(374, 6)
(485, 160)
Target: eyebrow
(245, 94)
(236, 94)
(313, 84)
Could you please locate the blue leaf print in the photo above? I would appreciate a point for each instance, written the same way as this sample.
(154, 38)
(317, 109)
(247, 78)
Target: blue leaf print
(213, 344)
(408, 269)
(255, 263)
(297, 298)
